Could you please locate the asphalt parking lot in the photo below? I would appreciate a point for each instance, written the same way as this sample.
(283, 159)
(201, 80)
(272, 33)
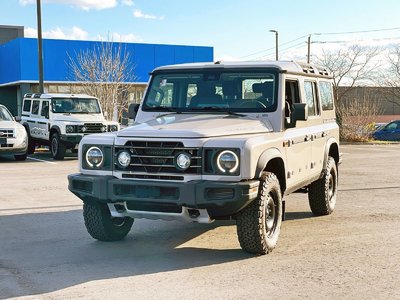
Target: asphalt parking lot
(46, 253)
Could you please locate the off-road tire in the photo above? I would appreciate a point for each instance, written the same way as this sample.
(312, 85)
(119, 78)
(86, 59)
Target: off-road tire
(31, 145)
(57, 147)
(259, 224)
(322, 193)
(20, 157)
(102, 226)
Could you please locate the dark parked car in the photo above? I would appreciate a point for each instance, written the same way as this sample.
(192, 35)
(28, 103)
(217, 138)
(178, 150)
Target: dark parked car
(389, 132)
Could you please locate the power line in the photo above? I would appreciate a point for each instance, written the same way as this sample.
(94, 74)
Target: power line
(284, 50)
(265, 50)
(355, 41)
(361, 31)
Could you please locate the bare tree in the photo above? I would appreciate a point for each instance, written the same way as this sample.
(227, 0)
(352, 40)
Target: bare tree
(104, 72)
(349, 67)
(357, 116)
(390, 78)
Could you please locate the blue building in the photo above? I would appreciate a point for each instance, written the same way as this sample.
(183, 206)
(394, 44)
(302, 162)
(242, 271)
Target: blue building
(19, 64)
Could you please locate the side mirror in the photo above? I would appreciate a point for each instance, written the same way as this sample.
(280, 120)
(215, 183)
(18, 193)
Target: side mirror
(17, 118)
(299, 113)
(132, 110)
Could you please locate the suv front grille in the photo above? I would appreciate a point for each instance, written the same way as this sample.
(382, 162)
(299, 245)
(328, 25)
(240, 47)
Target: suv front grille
(91, 128)
(6, 133)
(159, 157)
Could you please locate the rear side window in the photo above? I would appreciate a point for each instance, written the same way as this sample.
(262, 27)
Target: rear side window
(27, 105)
(35, 107)
(311, 98)
(325, 89)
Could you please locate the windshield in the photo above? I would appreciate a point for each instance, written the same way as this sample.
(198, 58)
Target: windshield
(5, 115)
(75, 105)
(220, 91)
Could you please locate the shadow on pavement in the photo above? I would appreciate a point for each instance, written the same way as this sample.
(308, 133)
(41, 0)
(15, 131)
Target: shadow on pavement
(53, 251)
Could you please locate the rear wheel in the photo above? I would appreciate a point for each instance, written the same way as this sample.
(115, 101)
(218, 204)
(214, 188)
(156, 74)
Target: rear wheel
(102, 226)
(57, 147)
(322, 193)
(259, 224)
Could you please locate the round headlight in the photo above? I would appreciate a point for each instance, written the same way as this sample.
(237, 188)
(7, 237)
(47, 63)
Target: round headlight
(113, 128)
(227, 161)
(94, 157)
(182, 161)
(124, 159)
(69, 128)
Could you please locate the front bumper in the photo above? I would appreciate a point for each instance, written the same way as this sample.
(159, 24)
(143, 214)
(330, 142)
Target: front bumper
(71, 138)
(219, 199)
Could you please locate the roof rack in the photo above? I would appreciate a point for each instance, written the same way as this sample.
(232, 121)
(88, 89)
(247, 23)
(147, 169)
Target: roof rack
(33, 95)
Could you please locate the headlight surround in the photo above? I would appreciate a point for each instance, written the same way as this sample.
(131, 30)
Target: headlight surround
(124, 158)
(107, 162)
(227, 161)
(94, 157)
(221, 161)
(112, 128)
(70, 129)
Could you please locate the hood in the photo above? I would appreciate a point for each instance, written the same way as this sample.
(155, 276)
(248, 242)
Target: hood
(10, 125)
(78, 117)
(197, 126)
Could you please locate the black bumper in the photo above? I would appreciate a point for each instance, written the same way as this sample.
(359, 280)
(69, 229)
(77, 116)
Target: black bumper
(71, 139)
(221, 199)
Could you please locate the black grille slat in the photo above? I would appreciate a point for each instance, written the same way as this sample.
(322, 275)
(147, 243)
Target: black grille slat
(91, 128)
(158, 157)
(6, 133)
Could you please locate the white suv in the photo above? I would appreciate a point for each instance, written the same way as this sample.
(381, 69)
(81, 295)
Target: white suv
(216, 141)
(61, 120)
(13, 137)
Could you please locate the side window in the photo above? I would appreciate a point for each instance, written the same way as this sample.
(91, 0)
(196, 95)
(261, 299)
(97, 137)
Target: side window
(291, 95)
(310, 89)
(45, 109)
(325, 90)
(27, 106)
(35, 107)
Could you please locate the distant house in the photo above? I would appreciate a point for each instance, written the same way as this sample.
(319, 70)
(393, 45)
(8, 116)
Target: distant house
(19, 64)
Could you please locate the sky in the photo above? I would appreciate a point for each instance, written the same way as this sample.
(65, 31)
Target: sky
(238, 30)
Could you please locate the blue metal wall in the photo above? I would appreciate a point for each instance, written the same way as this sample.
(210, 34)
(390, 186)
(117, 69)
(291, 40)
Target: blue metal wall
(18, 58)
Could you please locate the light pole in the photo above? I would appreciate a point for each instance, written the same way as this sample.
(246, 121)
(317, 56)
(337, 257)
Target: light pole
(276, 44)
(40, 52)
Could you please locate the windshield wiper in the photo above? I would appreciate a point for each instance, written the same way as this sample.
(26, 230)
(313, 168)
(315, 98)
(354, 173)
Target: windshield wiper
(163, 108)
(216, 108)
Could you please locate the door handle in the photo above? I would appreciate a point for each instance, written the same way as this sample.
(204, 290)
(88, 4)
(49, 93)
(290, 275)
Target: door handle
(307, 138)
(324, 134)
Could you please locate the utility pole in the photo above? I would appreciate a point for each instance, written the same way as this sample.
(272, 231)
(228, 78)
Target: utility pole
(308, 48)
(276, 44)
(40, 48)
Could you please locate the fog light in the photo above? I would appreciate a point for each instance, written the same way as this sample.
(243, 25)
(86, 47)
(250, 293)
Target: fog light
(124, 159)
(182, 161)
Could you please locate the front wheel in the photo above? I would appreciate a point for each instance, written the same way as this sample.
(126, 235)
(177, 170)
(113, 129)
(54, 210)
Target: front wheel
(259, 224)
(102, 226)
(322, 193)
(57, 147)
(20, 157)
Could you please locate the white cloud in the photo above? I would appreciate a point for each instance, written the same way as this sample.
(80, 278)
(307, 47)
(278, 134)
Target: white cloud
(82, 4)
(139, 14)
(127, 2)
(125, 38)
(75, 33)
